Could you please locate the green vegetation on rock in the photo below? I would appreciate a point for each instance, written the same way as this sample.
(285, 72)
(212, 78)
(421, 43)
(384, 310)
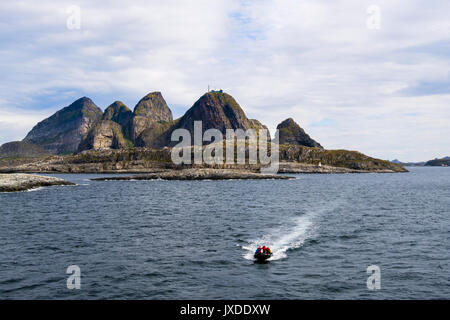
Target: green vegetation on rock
(337, 158)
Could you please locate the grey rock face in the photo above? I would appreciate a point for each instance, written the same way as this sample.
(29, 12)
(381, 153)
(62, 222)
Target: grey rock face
(150, 109)
(118, 112)
(291, 133)
(156, 135)
(63, 131)
(106, 134)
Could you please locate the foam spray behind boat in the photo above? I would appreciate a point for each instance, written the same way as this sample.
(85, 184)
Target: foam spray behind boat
(282, 239)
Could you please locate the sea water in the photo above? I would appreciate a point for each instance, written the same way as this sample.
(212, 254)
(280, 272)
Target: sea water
(196, 239)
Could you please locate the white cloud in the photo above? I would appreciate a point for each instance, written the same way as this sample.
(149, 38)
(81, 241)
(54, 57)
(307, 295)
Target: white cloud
(310, 60)
(15, 123)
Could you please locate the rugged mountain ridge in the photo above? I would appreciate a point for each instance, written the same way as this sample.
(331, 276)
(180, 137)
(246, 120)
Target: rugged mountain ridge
(122, 128)
(149, 127)
(216, 110)
(150, 124)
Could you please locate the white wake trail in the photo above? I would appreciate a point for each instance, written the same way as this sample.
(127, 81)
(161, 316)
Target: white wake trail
(284, 238)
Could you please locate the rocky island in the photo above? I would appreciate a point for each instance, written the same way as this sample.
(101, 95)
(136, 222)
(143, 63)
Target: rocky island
(80, 138)
(22, 182)
(443, 162)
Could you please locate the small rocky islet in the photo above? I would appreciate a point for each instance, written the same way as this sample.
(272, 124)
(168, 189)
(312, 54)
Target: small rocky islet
(81, 138)
(13, 182)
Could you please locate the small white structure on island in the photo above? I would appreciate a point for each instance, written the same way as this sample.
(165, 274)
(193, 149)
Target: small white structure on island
(217, 91)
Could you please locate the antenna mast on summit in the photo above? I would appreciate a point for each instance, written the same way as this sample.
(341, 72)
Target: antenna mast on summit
(208, 87)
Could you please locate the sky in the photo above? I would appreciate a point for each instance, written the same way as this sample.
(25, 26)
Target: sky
(372, 76)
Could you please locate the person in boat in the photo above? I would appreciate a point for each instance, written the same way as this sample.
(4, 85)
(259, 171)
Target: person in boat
(263, 250)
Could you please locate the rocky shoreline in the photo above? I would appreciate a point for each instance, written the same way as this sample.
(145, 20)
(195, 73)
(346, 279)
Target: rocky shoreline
(293, 159)
(198, 174)
(22, 182)
(304, 168)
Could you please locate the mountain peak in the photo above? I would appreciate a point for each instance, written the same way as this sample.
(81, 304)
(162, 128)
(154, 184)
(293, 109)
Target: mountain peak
(84, 99)
(62, 132)
(153, 94)
(118, 112)
(216, 110)
(154, 106)
(118, 104)
(82, 102)
(288, 121)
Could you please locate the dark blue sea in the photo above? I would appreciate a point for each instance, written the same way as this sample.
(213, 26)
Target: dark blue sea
(195, 239)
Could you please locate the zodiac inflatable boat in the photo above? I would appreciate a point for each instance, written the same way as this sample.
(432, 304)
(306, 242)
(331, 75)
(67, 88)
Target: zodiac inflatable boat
(263, 253)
